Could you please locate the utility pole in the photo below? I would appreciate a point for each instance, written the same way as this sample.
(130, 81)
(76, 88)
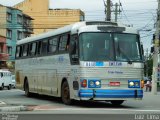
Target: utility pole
(156, 51)
(147, 63)
(108, 4)
(117, 10)
(108, 10)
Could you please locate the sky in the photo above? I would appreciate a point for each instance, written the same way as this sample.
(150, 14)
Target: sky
(139, 13)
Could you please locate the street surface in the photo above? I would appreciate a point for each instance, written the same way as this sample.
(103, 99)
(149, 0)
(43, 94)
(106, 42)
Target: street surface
(14, 105)
(47, 104)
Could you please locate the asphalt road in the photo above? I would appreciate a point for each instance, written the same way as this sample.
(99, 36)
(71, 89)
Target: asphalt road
(51, 107)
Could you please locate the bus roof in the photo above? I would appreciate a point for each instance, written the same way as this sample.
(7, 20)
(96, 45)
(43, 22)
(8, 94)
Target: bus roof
(73, 29)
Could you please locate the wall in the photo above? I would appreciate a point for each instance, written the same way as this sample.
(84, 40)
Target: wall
(46, 19)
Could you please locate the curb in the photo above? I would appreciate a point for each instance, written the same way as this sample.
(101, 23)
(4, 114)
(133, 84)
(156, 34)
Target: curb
(13, 109)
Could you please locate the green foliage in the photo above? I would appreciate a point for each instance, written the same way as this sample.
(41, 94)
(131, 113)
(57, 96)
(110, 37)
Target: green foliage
(148, 63)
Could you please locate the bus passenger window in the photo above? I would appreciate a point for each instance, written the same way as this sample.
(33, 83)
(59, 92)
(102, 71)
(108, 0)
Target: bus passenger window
(39, 46)
(1, 75)
(44, 46)
(32, 49)
(18, 51)
(63, 43)
(25, 50)
(52, 45)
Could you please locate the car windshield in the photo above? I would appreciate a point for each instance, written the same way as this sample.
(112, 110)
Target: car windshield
(109, 47)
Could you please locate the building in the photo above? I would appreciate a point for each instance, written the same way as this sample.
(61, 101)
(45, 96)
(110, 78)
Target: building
(14, 25)
(3, 52)
(45, 18)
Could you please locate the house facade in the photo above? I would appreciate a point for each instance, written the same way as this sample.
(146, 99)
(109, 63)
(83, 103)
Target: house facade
(15, 26)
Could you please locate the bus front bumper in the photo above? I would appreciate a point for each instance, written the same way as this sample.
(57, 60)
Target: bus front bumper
(110, 94)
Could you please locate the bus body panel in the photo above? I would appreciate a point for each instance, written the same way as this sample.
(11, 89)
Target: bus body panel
(46, 73)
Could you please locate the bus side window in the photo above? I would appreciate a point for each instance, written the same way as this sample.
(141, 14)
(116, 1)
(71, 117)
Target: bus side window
(44, 48)
(18, 51)
(73, 49)
(1, 75)
(52, 45)
(25, 50)
(32, 49)
(39, 46)
(63, 43)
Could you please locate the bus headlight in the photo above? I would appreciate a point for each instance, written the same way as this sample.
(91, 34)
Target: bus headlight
(98, 83)
(94, 83)
(133, 83)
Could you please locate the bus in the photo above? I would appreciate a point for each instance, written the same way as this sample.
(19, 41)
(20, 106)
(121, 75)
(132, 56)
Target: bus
(89, 60)
(5, 79)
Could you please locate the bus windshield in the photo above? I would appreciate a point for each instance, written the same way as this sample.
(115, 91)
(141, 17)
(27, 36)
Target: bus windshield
(109, 47)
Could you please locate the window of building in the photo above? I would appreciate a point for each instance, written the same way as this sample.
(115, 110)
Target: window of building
(19, 19)
(52, 45)
(9, 17)
(1, 47)
(26, 35)
(19, 35)
(9, 49)
(9, 34)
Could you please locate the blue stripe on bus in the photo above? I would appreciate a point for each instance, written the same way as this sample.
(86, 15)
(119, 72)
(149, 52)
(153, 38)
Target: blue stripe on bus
(99, 64)
(110, 93)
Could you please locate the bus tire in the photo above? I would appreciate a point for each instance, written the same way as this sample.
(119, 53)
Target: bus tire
(65, 93)
(117, 102)
(26, 89)
(9, 87)
(2, 87)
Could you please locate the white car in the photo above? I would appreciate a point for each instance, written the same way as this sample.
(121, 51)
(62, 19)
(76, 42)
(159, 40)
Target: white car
(13, 81)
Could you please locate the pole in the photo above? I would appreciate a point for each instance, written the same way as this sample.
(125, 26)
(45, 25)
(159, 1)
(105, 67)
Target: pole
(116, 11)
(147, 63)
(155, 55)
(108, 10)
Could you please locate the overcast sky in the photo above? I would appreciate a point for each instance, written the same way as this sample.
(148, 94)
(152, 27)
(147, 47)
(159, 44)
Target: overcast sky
(140, 13)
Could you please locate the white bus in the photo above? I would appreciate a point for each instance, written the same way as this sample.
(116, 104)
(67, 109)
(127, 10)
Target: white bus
(84, 61)
(5, 79)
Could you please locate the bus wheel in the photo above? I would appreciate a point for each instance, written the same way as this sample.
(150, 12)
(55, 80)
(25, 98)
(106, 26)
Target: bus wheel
(9, 87)
(65, 94)
(2, 87)
(117, 102)
(26, 88)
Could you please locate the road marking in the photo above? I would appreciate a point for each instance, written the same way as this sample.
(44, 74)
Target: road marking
(12, 90)
(2, 103)
(55, 108)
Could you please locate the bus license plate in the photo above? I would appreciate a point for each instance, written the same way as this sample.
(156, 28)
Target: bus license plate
(114, 83)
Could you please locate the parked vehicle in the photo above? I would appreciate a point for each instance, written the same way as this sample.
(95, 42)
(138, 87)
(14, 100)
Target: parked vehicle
(13, 81)
(5, 79)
